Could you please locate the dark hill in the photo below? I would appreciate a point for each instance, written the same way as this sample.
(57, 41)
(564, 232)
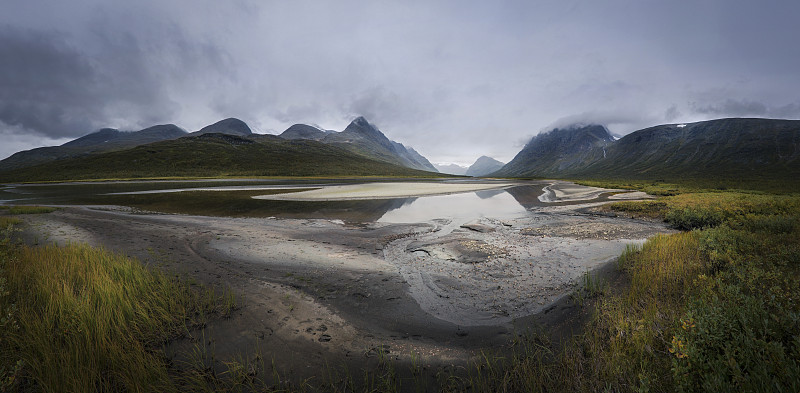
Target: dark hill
(558, 151)
(213, 155)
(363, 138)
(230, 126)
(303, 131)
(715, 150)
(106, 139)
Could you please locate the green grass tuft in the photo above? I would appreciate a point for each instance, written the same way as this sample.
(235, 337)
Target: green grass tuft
(79, 318)
(28, 209)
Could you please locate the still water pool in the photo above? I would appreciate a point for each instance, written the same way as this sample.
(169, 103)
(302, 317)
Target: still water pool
(234, 198)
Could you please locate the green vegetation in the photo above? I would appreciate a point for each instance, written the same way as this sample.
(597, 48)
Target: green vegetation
(78, 318)
(214, 155)
(716, 308)
(753, 154)
(28, 209)
(713, 308)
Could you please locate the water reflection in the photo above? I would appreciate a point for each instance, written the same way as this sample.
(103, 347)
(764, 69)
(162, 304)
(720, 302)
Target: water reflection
(495, 203)
(235, 200)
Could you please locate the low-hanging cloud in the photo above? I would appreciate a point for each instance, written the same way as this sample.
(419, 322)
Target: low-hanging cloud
(744, 108)
(456, 80)
(48, 87)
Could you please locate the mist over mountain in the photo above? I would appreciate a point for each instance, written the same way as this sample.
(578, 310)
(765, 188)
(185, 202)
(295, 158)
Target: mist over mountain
(213, 155)
(362, 137)
(452, 169)
(557, 151)
(483, 166)
(730, 149)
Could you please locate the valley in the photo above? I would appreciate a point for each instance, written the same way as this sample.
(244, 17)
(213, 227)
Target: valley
(317, 291)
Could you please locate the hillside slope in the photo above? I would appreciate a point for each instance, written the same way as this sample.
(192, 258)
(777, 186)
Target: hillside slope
(724, 149)
(106, 139)
(363, 138)
(214, 155)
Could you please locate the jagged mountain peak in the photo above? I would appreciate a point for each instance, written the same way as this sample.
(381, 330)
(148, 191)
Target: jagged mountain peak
(598, 131)
(360, 125)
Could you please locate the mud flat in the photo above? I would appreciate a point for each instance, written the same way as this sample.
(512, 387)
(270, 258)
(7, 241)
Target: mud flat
(318, 292)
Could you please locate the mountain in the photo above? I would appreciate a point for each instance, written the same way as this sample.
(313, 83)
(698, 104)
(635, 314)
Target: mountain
(556, 152)
(304, 131)
(483, 166)
(361, 137)
(103, 140)
(230, 126)
(453, 169)
(721, 150)
(214, 155)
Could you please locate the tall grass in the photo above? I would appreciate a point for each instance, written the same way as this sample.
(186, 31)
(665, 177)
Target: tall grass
(87, 320)
(716, 308)
(28, 209)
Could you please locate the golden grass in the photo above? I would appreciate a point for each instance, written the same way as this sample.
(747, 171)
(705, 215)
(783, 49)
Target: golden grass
(88, 320)
(28, 209)
(712, 309)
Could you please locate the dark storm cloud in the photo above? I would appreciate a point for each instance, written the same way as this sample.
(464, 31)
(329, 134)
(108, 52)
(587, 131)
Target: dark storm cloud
(54, 89)
(453, 79)
(47, 86)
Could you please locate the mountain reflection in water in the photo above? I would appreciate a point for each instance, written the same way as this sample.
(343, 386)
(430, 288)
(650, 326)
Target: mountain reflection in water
(232, 199)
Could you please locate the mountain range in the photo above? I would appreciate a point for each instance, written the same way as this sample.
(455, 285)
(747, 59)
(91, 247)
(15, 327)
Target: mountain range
(453, 169)
(226, 148)
(724, 149)
(481, 167)
(362, 137)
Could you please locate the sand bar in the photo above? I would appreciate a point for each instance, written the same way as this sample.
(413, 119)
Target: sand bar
(561, 191)
(382, 191)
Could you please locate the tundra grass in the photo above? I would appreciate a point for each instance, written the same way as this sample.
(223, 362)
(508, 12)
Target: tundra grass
(716, 308)
(28, 209)
(84, 319)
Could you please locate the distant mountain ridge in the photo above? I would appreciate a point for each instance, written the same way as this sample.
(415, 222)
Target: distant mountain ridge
(453, 169)
(362, 137)
(716, 149)
(103, 140)
(483, 166)
(213, 155)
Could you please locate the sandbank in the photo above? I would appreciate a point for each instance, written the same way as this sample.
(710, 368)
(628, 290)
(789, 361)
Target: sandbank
(382, 191)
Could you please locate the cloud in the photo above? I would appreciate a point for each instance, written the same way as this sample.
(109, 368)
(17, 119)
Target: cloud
(732, 107)
(46, 84)
(52, 88)
(456, 80)
(671, 113)
(744, 108)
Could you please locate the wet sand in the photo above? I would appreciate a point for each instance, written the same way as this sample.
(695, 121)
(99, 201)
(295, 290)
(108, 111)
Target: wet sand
(383, 191)
(318, 292)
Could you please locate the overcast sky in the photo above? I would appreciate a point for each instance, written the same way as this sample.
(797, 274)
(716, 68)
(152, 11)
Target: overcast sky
(453, 79)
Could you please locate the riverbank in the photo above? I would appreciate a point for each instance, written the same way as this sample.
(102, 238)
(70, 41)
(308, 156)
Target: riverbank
(318, 291)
